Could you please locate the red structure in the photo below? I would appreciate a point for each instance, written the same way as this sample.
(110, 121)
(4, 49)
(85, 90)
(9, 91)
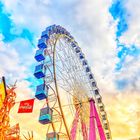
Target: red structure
(6, 131)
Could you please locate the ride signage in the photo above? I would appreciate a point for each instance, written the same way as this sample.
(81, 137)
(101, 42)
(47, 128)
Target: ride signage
(26, 106)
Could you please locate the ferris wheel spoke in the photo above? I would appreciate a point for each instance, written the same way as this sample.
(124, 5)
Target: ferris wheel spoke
(59, 67)
(69, 86)
(71, 78)
(61, 76)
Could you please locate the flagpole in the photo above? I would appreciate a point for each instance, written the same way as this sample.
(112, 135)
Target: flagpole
(4, 83)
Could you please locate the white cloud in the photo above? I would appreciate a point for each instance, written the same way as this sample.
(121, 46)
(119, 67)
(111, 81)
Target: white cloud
(14, 65)
(123, 113)
(130, 70)
(32, 14)
(132, 35)
(11, 60)
(130, 73)
(98, 42)
(100, 38)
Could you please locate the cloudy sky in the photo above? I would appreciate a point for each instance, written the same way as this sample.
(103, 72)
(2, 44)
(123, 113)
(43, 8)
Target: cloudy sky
(108, 32)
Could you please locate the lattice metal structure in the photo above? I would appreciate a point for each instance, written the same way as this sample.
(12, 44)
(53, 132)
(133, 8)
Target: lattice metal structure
(68, 86)
(8, 132)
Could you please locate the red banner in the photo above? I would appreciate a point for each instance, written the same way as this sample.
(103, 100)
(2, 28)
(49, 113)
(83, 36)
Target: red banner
(26, 106)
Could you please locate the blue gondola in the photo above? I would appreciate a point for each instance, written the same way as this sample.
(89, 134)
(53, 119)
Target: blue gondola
(45, 34)
(71, 36)
(42, 43)
(87, 69)
(39, 56)
(58, 31)
(77, 49)
(68, 39)
(81, 56)
(84, 62)
(50, 30)
(73, 44)
(54, 28)
(45, 115)
(96, 92)
(52, 136)
(91, 76)
(67, 33)
(39, 71)
(99, 100)
(41, 92)
(93, 84)
(62, 31)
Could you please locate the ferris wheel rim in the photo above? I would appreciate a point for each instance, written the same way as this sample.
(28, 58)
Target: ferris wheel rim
(95, 90)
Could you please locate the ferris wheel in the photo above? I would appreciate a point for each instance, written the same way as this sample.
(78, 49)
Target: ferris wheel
(73, 105)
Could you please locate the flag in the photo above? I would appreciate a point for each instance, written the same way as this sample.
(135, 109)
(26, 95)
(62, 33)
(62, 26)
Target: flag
(26, 106)
(2, 93)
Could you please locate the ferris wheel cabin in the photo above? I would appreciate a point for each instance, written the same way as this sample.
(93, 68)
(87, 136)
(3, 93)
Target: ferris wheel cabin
(42, 43)
(39, 56)
(45, 115)
(41, 92)
(52, 136)
(39, 71)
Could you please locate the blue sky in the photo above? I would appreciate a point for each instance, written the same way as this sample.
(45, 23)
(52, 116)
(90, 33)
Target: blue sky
(7, 25)
(120, 13)
(13, 29)
(17, 26)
